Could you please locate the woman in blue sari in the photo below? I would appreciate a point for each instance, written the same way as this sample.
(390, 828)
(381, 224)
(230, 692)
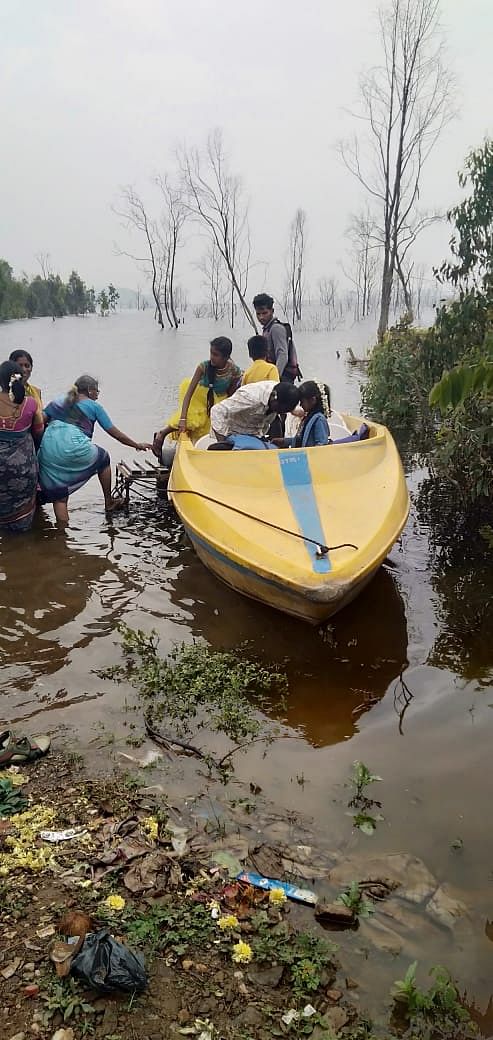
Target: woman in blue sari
(67, 457)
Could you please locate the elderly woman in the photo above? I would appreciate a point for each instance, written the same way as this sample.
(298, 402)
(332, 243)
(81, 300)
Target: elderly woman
(21, 428)
(67, 457)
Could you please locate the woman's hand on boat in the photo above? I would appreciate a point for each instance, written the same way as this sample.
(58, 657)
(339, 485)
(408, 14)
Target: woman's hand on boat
(144, 447)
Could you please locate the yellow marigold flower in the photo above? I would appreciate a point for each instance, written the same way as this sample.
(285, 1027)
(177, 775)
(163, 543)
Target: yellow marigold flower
(242, 952)
(151, 827)
(277, 896)
(227, 922)
(115, 903)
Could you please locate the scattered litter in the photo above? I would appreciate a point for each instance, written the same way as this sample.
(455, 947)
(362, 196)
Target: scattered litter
(290, 1016)
(308, 1011)
(300, 895)
(228, 862)
(179, 837)
(202, 1028)
(75, 922)
(45, 933)
(12, 968)
(68, 835)
(11, 801)
(105, 964)
(149, 759)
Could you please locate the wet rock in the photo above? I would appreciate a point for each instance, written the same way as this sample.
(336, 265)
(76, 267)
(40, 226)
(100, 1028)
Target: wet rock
(445, 908)
(251, 1016)
(334, 995)
(335, 914)
(384, 938)
(408, 873)
(266, 976)
(337, 1017)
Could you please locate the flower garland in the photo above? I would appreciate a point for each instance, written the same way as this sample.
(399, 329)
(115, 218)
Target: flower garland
(324, 399)
(13, 379)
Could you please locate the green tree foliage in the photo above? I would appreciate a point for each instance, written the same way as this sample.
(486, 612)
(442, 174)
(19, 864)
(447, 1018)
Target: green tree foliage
(45, 296)
(441, 379)
(103, 303)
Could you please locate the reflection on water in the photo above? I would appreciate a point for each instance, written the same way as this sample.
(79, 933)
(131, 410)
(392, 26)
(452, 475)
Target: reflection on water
(337, 672)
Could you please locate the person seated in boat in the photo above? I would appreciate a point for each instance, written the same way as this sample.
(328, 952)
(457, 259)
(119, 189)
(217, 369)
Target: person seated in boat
(212, 381)
(252, 409)
(314, 429)
(260, 369)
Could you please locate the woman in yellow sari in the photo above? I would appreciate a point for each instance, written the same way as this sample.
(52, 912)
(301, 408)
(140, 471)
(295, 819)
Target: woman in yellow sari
(213, 380)
(23, 359)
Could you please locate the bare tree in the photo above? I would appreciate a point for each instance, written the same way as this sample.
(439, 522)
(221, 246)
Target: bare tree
(406, 102)
(362, 232)
(211, 265)
(134, 215)
(172, 222)
(295, 262)
(214, 197)
(44, 261)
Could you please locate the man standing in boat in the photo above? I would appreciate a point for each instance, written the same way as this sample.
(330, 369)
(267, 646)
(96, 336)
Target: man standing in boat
(281, 350)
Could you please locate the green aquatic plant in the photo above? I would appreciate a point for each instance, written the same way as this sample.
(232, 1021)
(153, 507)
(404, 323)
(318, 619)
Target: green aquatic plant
(355, 901)
(196, 687)
(433, 1013)
(364, 817)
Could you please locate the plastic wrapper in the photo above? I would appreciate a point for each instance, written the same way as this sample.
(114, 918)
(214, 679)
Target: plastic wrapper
(106, 965)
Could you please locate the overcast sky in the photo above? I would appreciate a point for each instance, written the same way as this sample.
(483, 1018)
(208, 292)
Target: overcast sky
(96, 95)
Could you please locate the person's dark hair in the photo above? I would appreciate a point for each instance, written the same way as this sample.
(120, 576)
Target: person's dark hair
(225, 348)
(11, 381)
(17, 354)
(257, 347)
(263, 300)
(287, 397)
(319, 391)
(83, 385)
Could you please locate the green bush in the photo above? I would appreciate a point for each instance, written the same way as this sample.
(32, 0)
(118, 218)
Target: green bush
(394, 393)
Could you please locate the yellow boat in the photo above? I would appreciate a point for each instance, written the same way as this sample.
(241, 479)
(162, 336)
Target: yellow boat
(303, 530)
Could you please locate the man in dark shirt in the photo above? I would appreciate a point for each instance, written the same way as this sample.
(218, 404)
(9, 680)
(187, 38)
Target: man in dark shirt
(280, 350)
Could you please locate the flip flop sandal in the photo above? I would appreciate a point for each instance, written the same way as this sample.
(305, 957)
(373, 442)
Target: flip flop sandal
(14, 749)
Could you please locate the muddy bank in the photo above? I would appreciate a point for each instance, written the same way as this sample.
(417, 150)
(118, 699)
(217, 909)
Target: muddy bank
(223, 958)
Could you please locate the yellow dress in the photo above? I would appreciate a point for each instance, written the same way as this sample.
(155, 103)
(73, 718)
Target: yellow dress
(35, 393)
(198, 422)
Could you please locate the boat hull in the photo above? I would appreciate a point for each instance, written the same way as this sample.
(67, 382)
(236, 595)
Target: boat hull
(255, 518)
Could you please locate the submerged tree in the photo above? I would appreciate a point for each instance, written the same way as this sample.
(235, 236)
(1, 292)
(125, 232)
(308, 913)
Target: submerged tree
(405, 102)
(134, 214)
(361, 233)
(214, 198)
(171, 225)
(295, 285)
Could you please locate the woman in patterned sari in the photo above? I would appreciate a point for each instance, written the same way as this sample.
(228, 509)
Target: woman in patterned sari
(21, 428)
(67, 457)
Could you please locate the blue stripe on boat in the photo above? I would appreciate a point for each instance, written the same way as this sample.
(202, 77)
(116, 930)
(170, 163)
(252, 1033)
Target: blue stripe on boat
(297, 479)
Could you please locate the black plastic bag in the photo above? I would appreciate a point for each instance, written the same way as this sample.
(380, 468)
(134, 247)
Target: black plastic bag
(106, 965)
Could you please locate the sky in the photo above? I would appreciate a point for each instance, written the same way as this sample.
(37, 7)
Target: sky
(97, 96)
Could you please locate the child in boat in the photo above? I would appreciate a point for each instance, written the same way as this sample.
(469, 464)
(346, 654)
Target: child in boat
(314, 427)
(212, 381)
(260, 369)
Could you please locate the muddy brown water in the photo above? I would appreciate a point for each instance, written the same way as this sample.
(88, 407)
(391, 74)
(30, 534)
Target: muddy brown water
(401, 680)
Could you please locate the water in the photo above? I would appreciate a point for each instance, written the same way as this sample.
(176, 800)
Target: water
(401, 680)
